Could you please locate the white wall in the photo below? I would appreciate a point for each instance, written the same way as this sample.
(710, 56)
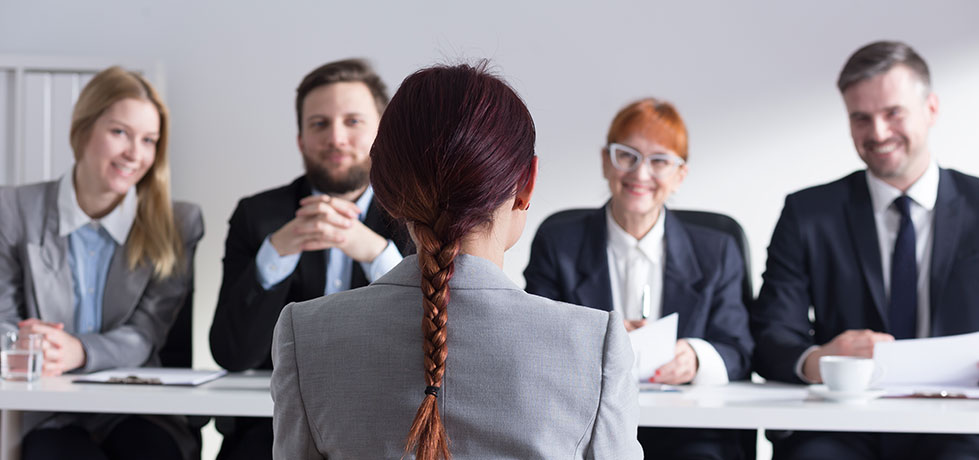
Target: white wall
(754, 80)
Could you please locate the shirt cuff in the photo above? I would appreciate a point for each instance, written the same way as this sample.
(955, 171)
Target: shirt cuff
(801, 361)
(710, 366)
(271, 267)
(384, 261)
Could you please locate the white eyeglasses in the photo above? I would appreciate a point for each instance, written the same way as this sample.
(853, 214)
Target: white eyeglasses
(627, 159)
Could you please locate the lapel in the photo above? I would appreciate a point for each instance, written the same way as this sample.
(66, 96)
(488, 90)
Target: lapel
(123, 287)
(593, 286)
(947, 228)
(863, 230)
(49, 268)
(681, 275)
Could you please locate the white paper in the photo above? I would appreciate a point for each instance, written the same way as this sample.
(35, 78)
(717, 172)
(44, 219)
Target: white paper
(145, 375)
(654, 345)
(937, 361)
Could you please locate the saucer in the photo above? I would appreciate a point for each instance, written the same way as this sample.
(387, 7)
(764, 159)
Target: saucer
(863, 396)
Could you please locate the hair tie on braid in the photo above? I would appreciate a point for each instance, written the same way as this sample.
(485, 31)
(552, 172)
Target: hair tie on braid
(432, 390)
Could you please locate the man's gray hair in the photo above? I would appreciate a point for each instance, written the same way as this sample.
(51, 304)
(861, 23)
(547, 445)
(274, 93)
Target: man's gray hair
(880, 57)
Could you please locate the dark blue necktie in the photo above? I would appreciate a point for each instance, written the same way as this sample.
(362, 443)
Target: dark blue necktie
(904, 276)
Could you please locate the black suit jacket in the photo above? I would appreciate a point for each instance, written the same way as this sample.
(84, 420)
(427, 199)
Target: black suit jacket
(825, 254)
(701, 280)
(241, 334)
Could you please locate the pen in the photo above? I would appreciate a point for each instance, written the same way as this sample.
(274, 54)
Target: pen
(645, 302)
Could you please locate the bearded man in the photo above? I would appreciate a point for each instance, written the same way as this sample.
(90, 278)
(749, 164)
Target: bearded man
(321, 234)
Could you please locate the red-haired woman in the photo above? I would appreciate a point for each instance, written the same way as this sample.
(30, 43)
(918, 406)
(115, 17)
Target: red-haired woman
(499, 373)
(634, 257)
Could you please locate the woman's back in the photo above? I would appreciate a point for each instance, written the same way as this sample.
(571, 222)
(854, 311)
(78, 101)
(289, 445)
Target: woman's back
(525, 377)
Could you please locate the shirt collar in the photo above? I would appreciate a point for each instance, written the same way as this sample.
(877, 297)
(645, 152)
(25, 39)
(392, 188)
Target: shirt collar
(621, 242)
(924, 191)
(117, 222)
(363, 202)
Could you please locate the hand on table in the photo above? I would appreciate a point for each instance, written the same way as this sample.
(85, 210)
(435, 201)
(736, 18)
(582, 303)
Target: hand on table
(855, 342)
(683, 367)
(63, 352)
(324, 222)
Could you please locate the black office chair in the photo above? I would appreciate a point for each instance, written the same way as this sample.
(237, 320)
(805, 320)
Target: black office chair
(726, 224)
(178, 351)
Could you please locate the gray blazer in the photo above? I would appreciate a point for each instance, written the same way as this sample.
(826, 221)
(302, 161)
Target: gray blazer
(526, 377)
(36, 282)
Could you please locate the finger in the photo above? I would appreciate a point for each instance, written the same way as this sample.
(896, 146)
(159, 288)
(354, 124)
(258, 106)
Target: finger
(346, 208)
(28, 323)
(338, 220)
(330, 218)
(53, 356)
(882, 337)
(315, 199)
(667, 368)
(323, 204)
(311, 229)
(42, 328)
(667, 376)
(314, 211)
(324, 233)
(51, 370)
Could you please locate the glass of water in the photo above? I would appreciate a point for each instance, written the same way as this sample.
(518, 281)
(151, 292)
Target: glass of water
(21, 357)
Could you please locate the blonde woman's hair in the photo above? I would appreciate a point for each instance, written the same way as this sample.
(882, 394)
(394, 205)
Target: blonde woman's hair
(154, 237)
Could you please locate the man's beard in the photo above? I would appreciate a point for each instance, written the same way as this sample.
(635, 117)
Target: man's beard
(322, 179)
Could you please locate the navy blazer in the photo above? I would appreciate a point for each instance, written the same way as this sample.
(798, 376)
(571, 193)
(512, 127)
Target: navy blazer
(825, 254)
(701, 280)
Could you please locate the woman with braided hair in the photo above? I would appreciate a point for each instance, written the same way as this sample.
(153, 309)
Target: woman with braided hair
(493, 372)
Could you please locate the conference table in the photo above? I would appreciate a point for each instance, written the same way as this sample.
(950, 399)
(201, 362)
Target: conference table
(740, 405)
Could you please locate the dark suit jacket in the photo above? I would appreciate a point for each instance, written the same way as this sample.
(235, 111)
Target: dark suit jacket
(824, 254)
(241, 334)
(701, 281)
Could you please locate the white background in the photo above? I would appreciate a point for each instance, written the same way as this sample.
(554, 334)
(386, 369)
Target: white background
(755, 82)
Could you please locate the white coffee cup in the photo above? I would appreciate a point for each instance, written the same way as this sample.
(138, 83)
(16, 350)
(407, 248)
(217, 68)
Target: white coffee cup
(848, 373)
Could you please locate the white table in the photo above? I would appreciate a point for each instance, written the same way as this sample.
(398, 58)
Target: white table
(232, 395)
(738, 405)
(790, 407)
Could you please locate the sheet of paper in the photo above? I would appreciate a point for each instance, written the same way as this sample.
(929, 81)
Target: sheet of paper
(937, 361)
(653, 345)
(152, 376)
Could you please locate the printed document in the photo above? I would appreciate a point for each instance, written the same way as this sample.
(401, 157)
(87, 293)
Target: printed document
(654, 345)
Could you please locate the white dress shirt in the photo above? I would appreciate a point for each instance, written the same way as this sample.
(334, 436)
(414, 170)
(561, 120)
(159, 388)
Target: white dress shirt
(923, 194)
(91, 244)
(635, 263)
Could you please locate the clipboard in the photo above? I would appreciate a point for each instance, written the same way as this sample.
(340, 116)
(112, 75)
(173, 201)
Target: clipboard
(152, 376)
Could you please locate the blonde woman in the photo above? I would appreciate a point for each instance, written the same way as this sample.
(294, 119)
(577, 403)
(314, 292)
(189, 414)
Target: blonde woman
(99, 262)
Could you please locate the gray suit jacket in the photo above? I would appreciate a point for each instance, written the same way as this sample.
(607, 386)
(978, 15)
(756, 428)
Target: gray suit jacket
(526, 377)
(36, 282)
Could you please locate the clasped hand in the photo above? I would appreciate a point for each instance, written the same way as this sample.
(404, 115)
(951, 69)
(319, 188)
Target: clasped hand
(324, 222)
(63, 352)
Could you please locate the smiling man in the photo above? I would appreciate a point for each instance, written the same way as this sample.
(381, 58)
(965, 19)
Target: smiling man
(321, 234)
(882, 254)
